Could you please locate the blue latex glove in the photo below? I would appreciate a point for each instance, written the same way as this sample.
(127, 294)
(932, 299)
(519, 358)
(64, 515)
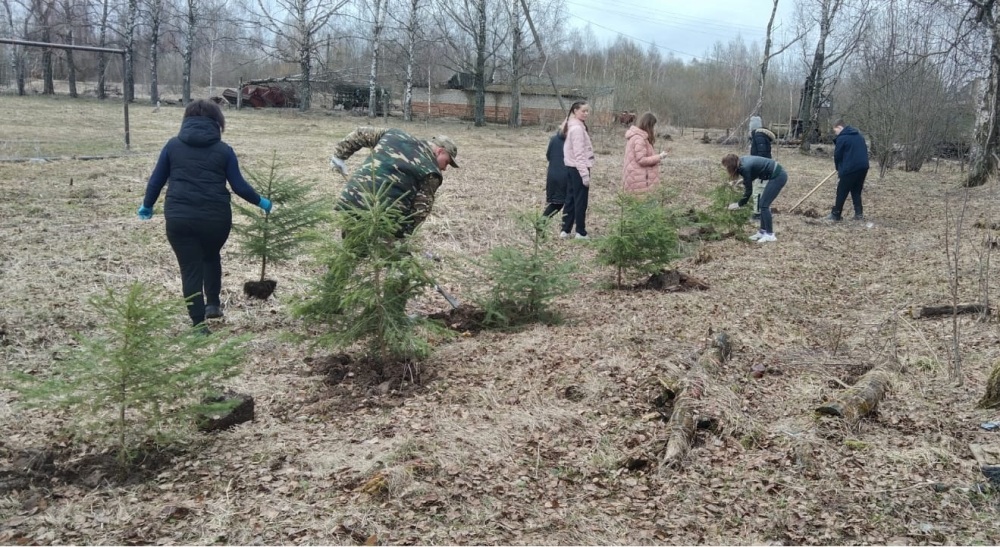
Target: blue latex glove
(265, 204)
(145, 213)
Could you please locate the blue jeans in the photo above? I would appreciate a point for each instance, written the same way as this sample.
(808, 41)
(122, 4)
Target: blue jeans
(771, 191)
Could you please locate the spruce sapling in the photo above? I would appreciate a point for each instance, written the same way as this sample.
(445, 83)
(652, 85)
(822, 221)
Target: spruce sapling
(277, 236)
(642, 239)
(371, 274)
(526, 277)
(138, 381)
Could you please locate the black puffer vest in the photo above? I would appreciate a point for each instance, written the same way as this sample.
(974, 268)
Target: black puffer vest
(196, 188)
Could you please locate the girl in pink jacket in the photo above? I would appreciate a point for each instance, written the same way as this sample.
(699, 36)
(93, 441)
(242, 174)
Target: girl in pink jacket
(641, 172)
(578, 155)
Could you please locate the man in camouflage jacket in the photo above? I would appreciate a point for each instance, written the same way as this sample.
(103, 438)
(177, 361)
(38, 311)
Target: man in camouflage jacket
(411, 167)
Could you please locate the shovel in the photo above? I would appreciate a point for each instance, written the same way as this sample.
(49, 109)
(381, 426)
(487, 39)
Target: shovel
(451, 299)
(811, 191)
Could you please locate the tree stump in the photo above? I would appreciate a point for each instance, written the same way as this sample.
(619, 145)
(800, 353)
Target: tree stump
(860, 399)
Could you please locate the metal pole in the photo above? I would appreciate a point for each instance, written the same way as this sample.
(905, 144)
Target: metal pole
(121, 52)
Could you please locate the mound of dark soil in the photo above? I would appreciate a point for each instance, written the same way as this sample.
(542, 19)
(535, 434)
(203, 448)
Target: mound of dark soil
(261, 290)
(672, 281)
(462, 319)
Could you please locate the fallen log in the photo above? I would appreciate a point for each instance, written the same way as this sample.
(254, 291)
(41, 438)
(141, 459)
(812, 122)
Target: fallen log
(938, 311)
(860, 399)
(683, 421)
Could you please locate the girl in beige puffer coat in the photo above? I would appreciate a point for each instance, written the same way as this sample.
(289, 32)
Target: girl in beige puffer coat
(641, 172)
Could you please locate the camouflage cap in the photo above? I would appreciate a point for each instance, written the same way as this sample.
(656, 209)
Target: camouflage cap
(448, 145)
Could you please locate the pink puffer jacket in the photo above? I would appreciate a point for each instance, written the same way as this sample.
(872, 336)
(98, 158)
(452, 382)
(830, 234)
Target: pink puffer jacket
(642, 164)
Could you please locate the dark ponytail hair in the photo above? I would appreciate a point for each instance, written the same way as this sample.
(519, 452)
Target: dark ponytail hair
(576, 106)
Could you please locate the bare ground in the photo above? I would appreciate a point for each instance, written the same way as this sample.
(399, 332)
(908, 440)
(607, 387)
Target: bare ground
(548, 435)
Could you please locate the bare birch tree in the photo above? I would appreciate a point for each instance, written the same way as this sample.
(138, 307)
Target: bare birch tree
(378, 10)
(298, 24)
(155, 14)
(412, 35)
(15, 54)
(831, 50)
(985, 153)
(102, 57)
(191, 14)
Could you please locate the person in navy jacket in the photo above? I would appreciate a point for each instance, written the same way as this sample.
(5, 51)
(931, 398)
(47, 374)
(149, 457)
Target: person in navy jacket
(850, 157)
(195, 166)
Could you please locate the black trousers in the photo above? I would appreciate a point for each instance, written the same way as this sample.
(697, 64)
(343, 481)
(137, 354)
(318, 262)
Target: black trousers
(197, 243)
(575, 210)
(850, 184)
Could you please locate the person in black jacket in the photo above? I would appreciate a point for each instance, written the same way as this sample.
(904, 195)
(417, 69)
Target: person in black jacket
(850, 157)
(557, 176)
(195, 166)
(760, 146)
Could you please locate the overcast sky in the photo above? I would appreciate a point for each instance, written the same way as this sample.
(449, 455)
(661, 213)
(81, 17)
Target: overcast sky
(685, 28)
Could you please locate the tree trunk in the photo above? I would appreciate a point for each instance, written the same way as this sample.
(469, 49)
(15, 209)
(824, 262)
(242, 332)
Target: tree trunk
(411, 39)
(984, 158)
(764, 63)
(102, 58)
(860, 399)
(695, 387)
(48, 85)
(515, 66)
(373, 98)
(188, 54)
(479, 80)
(131, 21)
(155, 12)
(812, 92)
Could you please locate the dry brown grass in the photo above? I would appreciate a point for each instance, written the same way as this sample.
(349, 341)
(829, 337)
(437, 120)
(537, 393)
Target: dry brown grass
(492, 450)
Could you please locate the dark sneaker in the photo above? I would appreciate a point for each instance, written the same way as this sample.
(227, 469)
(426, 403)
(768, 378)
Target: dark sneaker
(202, 329)
(859, 217)
(213, 312)
(832, 218)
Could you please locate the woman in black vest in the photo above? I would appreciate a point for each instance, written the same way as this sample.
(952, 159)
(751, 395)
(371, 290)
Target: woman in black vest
(195, 165)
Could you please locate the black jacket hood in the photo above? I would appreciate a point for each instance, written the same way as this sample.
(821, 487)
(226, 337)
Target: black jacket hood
(199, 131)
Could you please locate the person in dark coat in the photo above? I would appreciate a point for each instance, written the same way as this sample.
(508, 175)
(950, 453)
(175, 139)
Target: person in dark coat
(850, 157)
(557, 176)
(760, 138)
(195, 166)
(760, 145)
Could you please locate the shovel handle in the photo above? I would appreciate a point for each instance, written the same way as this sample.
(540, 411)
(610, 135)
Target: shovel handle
(811, 191)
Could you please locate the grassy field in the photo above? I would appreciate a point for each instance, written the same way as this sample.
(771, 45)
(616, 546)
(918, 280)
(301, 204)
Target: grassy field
(547, 435)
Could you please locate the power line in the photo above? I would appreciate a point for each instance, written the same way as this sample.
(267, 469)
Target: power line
(672, 19)
(640, 40)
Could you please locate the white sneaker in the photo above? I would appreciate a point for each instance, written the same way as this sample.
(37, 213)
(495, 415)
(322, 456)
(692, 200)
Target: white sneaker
(578, 236)
(563, 235)
(766, 238)
(756, 236)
